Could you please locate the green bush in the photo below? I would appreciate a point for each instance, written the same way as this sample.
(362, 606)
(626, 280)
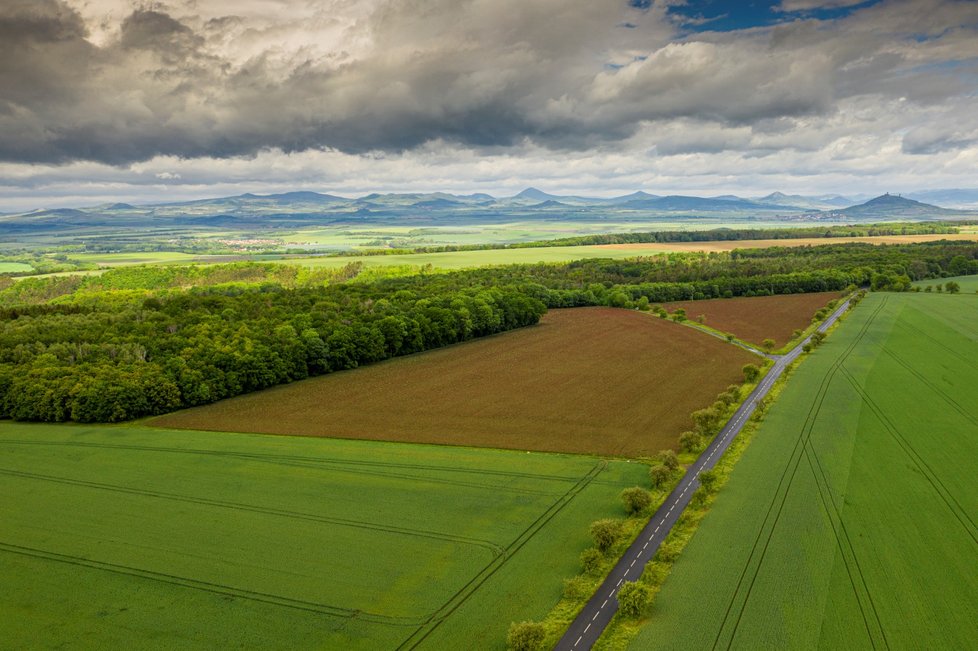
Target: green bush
(668, 458)
(708, 480)
(636, 500)
(591, 560)
(751, 372)
(689, 442)
(605, 533)
(525, 636)
(634, 599)
(659, 474)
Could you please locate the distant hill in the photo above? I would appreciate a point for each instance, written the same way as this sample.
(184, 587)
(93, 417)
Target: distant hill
(891, 206)
(532, 194)
(301, 209)
(441, 204)
(549, 203)
(304, 197)
(678, 203)
(821, 202)
(634, 196)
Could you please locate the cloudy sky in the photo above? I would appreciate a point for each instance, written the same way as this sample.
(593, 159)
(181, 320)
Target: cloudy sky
(105, 100)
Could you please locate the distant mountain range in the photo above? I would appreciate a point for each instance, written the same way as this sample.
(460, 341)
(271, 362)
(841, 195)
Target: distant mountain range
(305, 208)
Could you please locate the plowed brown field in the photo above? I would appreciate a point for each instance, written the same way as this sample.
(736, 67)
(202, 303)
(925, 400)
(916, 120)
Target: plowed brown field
(587, 380)
(757, 318)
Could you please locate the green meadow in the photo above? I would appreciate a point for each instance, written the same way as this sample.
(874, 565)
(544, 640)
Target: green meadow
(969, 284)
(14, 267)
(851, 522)
(208, 540)
(481, 258)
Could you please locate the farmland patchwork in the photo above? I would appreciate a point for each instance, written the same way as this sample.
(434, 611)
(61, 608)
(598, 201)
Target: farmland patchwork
(851, 521)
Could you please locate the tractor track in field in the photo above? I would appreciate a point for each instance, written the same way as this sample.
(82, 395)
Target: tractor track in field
(780, 497)
(844, 543)
(945, 495)
(206, 586)
(465, 592)
(353, 466)
(423, 625)
(591, 621)
(494, 549)
(954, 404)
(926, 335)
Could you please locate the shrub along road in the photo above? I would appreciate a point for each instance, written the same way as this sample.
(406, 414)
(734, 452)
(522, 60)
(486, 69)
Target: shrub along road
(585, 630)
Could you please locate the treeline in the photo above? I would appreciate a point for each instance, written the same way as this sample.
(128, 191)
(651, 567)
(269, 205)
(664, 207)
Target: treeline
(140, 279)
(146, 340)
(61, 363)
(665, 237)
(757, 272)
(40, 263)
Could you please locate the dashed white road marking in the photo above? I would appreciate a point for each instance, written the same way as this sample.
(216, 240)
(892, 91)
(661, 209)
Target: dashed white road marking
(727, 432)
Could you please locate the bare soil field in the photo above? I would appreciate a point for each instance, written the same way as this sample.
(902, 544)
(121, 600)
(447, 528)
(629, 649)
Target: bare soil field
(812, 241)
(587, 380)
(757, 318)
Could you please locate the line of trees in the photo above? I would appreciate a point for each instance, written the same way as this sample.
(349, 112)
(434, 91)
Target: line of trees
(663, 237)
(146, 340)
(101, 364)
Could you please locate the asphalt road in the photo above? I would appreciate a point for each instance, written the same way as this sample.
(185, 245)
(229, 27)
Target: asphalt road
(585, 630)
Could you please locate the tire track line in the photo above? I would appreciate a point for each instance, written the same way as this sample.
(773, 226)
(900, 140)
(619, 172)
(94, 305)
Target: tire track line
(834, 513)
(463, 594)
(493, 548)
(776, 507)
(290, 457)
(337, 466)
(205, 586)
(959, 512)
(954, 404)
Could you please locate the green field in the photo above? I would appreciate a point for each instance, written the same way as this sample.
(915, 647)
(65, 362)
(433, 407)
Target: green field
(149, 257)
(14, 267)
(113, 535)
(850, 521)
(969, 284)
(463, 259)
(381, 234)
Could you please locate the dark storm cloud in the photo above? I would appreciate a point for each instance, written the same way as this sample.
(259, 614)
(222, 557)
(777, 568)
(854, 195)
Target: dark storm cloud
(557, 73)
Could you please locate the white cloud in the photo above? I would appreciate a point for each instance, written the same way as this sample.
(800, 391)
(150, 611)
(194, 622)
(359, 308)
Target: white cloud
(203, 98)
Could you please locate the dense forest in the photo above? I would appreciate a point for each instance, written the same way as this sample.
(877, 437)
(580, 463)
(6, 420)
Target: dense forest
(146, 340)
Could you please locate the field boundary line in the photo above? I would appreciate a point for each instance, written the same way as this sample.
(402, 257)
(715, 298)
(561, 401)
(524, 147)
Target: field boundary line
(781, 497)
(494, 549)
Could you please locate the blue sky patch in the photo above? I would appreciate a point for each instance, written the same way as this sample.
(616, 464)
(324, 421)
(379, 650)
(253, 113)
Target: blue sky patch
(732, 15)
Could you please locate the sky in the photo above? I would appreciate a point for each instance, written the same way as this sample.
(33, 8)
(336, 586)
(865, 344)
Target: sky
(114, 100)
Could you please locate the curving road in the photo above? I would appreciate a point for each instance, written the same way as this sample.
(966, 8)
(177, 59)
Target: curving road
(585, 630)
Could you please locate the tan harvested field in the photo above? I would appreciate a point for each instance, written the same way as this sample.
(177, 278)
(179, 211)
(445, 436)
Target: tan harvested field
(812, 241)
(756, 318)
(586, 380)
